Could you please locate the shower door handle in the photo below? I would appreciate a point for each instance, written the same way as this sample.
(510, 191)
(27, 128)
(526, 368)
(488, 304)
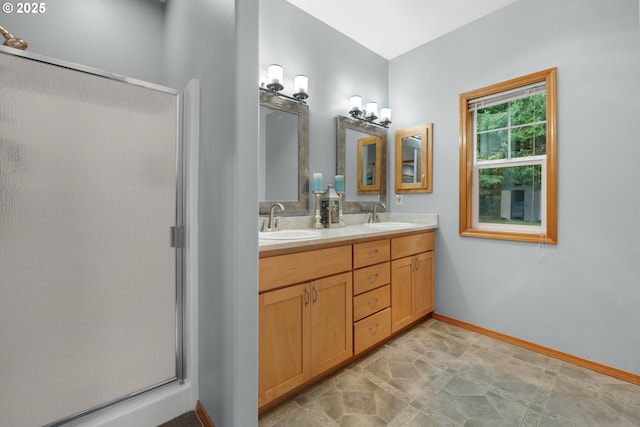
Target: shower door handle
(177, 237)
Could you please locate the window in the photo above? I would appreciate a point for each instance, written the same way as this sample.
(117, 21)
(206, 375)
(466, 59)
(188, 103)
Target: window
(508, 160)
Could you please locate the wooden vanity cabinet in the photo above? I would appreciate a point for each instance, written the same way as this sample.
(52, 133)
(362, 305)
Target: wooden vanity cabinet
(321, 308)
(304, 328)
(372, 293)
(412, 278)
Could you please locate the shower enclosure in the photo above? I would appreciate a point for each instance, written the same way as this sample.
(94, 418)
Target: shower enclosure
(91, 212)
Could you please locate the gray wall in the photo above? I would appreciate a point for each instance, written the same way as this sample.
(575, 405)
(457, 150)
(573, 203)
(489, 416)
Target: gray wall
(337, 67)
(216, 42)
(581, 296)
(121, 36)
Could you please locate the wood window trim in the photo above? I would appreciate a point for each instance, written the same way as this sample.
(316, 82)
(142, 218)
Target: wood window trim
(467, 156)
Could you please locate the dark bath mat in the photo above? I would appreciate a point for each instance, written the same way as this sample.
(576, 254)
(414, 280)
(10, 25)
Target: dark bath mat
(188, 419)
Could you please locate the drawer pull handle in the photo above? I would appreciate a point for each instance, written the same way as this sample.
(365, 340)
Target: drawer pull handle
(306, 295)
(372, 303)
(372, 252)
(372, 278)
(374, 329)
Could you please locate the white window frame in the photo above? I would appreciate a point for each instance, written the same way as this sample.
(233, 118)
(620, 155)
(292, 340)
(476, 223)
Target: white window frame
(491, 164)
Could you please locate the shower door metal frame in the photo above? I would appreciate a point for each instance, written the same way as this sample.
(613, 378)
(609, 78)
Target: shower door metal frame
(180, 212)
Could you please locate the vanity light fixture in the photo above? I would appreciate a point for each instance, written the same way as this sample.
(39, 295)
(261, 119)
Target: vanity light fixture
(356, 106)
(275, 74)
(274, 84)
(300, 86)
(370, 113)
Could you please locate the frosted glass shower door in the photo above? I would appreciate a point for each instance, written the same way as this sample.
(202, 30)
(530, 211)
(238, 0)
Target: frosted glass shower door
(89, 308)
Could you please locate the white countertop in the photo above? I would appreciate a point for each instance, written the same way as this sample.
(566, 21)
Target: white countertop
(354, 228)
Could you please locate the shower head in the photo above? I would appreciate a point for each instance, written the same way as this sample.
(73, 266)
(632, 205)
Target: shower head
(12, 41)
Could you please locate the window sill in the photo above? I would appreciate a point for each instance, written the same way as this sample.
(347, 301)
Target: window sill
(504, 235)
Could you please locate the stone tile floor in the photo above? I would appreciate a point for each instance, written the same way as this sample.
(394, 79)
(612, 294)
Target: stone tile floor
(437, 374)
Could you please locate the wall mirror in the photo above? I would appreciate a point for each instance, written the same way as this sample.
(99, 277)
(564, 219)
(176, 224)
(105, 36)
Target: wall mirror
(284, 155)
(368, 176)
(413, 159)
(358, 145)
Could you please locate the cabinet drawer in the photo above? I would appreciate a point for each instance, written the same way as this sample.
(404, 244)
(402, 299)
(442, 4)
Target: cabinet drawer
(371, 302)
(288, 269)
(372, 277)
(370, 253)
(411, 245)
(371, 330)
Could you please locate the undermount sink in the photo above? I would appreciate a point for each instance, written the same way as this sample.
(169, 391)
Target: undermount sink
(289, 235)
(389, 225)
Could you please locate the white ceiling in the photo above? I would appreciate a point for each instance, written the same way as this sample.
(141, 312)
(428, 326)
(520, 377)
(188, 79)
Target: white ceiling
(393, 27)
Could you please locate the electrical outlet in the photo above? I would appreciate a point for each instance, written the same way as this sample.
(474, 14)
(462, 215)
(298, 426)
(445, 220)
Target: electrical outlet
(398, 199)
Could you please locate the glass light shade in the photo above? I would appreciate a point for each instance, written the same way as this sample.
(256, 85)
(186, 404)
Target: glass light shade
(300, 84)
(372, 109)
(355, 103)
(385, 114)
(275, 74)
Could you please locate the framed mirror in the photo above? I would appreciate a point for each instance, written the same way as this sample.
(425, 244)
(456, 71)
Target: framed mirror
(284, 155)
(368, 177)
(414, 159)
(357, 145)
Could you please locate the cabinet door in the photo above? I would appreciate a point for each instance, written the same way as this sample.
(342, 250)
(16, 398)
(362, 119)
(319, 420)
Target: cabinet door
(413, 154)
(423, 284)
(401, 293)
(331, 322)
(283, 341)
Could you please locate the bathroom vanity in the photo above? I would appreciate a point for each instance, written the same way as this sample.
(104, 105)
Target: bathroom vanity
(325, 301)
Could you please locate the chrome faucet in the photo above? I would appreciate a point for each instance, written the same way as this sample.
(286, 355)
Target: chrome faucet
(271, 225)
(374, 215)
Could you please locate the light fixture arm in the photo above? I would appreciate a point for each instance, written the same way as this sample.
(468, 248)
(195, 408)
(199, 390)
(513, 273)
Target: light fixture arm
(357, 114)
(299, 98)
(369, 114)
